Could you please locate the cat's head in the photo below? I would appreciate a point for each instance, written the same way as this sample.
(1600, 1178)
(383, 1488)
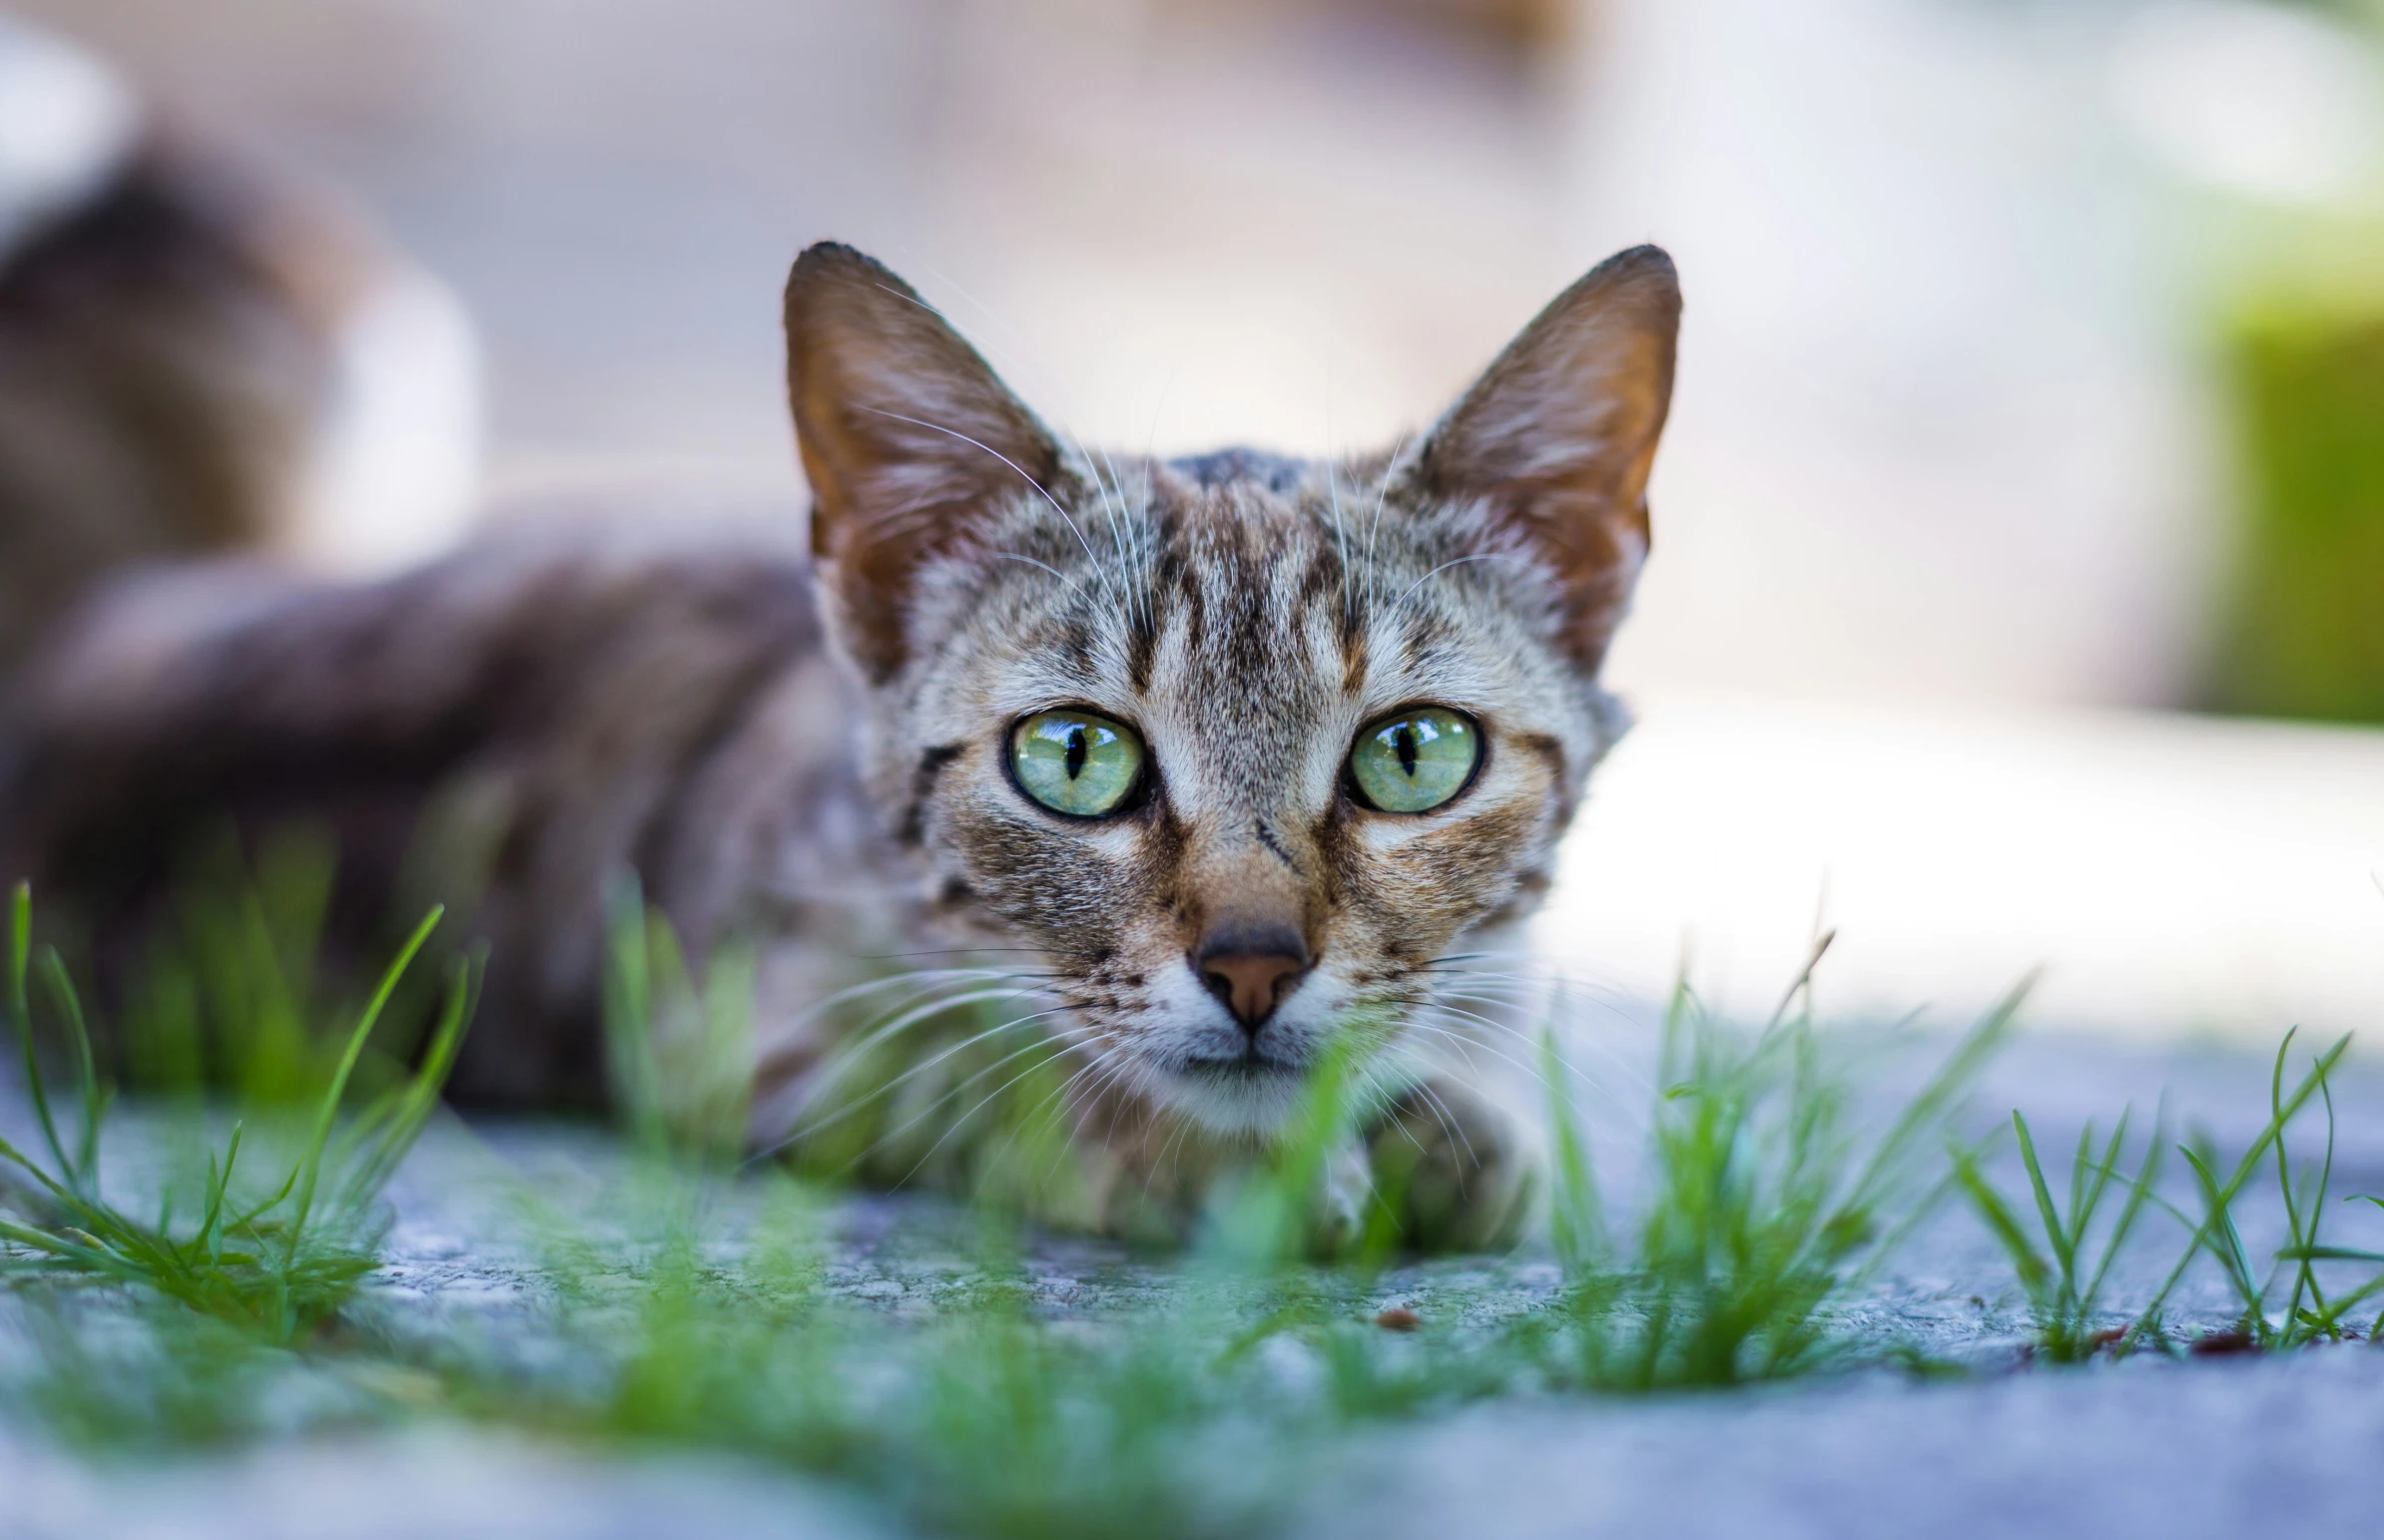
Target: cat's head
(1239, 744)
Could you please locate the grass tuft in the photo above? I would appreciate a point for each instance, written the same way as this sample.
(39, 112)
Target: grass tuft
(2064, 1279)
(1764, 1211)
(2306, 1315)
(277, 1263)
(2283, 1304)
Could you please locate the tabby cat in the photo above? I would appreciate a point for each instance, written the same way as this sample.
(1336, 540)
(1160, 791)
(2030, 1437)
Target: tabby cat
(1190, 762)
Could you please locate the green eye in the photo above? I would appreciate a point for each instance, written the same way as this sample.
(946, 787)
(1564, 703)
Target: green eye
(1415, 761)
(1075, 762)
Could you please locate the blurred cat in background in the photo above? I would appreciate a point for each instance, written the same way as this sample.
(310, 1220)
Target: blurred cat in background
(199, 357)
(1184, 768)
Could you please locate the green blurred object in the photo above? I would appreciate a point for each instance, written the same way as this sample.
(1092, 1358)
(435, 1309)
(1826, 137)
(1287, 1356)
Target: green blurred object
(2305, 623)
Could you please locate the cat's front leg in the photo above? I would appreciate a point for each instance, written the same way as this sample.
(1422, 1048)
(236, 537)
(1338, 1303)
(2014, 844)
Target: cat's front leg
(1454, 1168)
(1165, 1189)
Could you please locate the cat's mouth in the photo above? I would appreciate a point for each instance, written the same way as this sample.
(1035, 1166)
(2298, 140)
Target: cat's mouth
(1248, 1092)
(1241, 1068)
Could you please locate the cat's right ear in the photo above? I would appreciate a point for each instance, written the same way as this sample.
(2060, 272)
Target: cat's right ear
(908, 436)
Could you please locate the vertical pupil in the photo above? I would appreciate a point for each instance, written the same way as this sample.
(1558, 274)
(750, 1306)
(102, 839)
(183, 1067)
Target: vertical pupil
(1403, 739)
(1076, 750)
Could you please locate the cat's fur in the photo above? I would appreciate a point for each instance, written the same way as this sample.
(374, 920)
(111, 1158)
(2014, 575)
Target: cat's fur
(156, 385)
(564, 701)
(196, 356)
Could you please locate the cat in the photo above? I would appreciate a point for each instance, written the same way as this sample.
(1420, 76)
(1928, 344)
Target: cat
(1190, 762)
(199, 355)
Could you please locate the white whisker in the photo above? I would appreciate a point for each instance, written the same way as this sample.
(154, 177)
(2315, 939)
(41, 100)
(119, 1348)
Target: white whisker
(913, 1015)
(1382, 491)
(1059, 1049)
(1041, 490)
(1010, 363)
(834, 1066)
(887, 1136)
(1450, 1125)
(1478, 555)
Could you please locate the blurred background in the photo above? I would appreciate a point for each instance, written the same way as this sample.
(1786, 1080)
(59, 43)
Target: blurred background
(2019, 588)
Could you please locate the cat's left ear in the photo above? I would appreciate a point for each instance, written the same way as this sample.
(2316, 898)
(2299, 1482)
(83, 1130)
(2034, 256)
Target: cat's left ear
(908, 438)
(1555, 440)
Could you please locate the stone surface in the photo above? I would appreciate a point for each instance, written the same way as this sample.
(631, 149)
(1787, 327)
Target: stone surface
(2217, 1449)
(2207, 1447)
(453, 1485)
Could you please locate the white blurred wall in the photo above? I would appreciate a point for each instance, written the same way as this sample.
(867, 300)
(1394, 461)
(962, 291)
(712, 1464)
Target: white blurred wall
(1939, 430)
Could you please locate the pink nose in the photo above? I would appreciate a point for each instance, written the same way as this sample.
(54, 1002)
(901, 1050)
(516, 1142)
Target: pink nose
(1251, 970)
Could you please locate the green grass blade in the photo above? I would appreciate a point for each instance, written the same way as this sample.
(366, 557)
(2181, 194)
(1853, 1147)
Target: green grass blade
(20, 954)
(219, 1184)
(2365, 1292)
(1800, 987)
(420, 1096)
(2141, 1191)
(2078, 1165)
(1938, 1099)
(2306, 1234)
(2331, 1253)
(2285, 1181)
(629, 1010)
(2219, 1196)
(2218, 1234)
(91, 1259)
(67, 1199)
(309, 1167)
(2090, 1178)
(2034, 1271)
(69, 1009)
(2063, 1253)
(20, 949)
(1576, 1217)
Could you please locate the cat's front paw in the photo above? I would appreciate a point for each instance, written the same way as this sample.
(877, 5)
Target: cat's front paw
(1453, 1169)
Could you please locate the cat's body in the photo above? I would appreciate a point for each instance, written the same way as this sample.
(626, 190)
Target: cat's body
(198, 356)
(505, 729)
(1153, 743)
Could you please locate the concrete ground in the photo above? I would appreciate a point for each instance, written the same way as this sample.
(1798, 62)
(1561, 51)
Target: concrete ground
(2216, 1446)
(2216, 1450)
(2222, 1449)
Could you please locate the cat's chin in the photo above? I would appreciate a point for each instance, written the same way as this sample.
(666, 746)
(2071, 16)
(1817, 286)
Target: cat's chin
(1236, 1096)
